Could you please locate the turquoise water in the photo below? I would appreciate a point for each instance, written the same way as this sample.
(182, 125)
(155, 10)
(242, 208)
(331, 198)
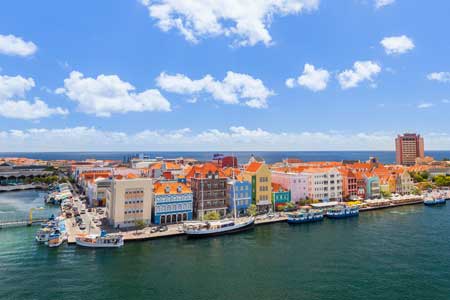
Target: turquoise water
(401, 253)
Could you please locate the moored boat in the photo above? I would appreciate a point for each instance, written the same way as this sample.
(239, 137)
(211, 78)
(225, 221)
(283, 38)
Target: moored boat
(56, 239)
(216, 228)
(43, 234)
(305, 216)
(430, 201)
(341, 212)
(100, 241)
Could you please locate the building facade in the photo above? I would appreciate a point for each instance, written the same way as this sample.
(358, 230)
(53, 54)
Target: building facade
(209, 188)
(349, 184)
(239, 192)
(324, 184)
(372, 187)
(404, 183)
(408, 147)
(129, 201)
(280, 195)
(172, 202)
(294, 182)
(261, 178)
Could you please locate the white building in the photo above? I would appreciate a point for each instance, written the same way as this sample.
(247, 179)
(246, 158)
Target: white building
(323, 184)
(129, 201)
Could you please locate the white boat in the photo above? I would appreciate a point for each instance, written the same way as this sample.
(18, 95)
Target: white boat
(56, 239)
(215, 228)
(43, 234)
(100, 241)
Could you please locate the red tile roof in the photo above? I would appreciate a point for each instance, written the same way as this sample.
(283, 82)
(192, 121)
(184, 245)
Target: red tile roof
(253, 167)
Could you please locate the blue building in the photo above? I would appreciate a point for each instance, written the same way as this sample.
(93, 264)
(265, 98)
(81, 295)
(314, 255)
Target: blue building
(172, 202)
(242, 190)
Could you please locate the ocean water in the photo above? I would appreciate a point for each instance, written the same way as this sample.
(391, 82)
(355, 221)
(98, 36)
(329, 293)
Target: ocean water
(400, 253)
(269, 156)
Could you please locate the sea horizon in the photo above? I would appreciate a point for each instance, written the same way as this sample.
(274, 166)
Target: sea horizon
(383, 156)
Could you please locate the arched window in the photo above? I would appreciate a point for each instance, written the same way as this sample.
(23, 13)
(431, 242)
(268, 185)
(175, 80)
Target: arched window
(163, 220)
(184, 217)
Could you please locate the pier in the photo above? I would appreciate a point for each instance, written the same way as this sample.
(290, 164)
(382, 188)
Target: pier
(19, 223)
(21, 187)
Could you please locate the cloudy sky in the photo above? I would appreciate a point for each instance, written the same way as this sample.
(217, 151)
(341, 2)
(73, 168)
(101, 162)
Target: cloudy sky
(222, 75)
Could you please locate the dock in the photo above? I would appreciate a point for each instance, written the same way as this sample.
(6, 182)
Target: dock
(174, 229)
(20, 223)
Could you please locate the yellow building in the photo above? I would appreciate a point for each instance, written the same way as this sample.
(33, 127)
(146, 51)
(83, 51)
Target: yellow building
(261, 178)
(129, 201)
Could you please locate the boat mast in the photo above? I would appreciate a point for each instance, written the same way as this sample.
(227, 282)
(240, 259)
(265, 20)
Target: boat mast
(234, 188)
(202, 185)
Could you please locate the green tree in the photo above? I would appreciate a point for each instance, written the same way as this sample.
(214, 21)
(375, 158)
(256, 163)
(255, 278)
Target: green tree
(416, 191)
(386, 194)
(442, 180)
(212, 215)
(252, 210)
(139, 224)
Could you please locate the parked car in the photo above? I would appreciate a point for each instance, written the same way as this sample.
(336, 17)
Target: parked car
(82, 226)
(83, 211)
(163, 228)
(154, 229)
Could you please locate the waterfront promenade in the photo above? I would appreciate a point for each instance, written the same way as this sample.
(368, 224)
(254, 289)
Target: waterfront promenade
(176, 230)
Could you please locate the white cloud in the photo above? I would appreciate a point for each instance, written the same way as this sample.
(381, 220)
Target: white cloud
(425, 105)
(362, 70)
(290, 82)
(235, 88)
(397, 44)
(235, 138)
(108, 94)
(312, 78)
(382, 3)
(14, 86)
(446, 101)
(28, 111)
(246, 21)
(439, 76)
(12, 45)
(12, 91)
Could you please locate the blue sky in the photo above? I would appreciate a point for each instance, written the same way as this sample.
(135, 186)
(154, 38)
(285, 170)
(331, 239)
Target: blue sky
(81, 59)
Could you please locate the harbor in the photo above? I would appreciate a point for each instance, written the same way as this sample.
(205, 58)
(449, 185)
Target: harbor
(91, 217)
(374, 242)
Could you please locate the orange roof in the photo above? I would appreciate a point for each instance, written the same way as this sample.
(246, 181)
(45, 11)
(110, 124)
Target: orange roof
(276, 187)
(229, 172)
(204, 169)
(160, 187)
(169, 165)
(253, 167)
(346, 172)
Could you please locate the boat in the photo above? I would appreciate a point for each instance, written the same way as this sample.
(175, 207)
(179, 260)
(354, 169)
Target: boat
(56, 239)
(216, 228)
(43, 234)
(430, 201)
(305, 216)
(100, 241)
(341, 212)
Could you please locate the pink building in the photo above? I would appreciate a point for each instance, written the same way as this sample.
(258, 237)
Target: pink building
(295, 182)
